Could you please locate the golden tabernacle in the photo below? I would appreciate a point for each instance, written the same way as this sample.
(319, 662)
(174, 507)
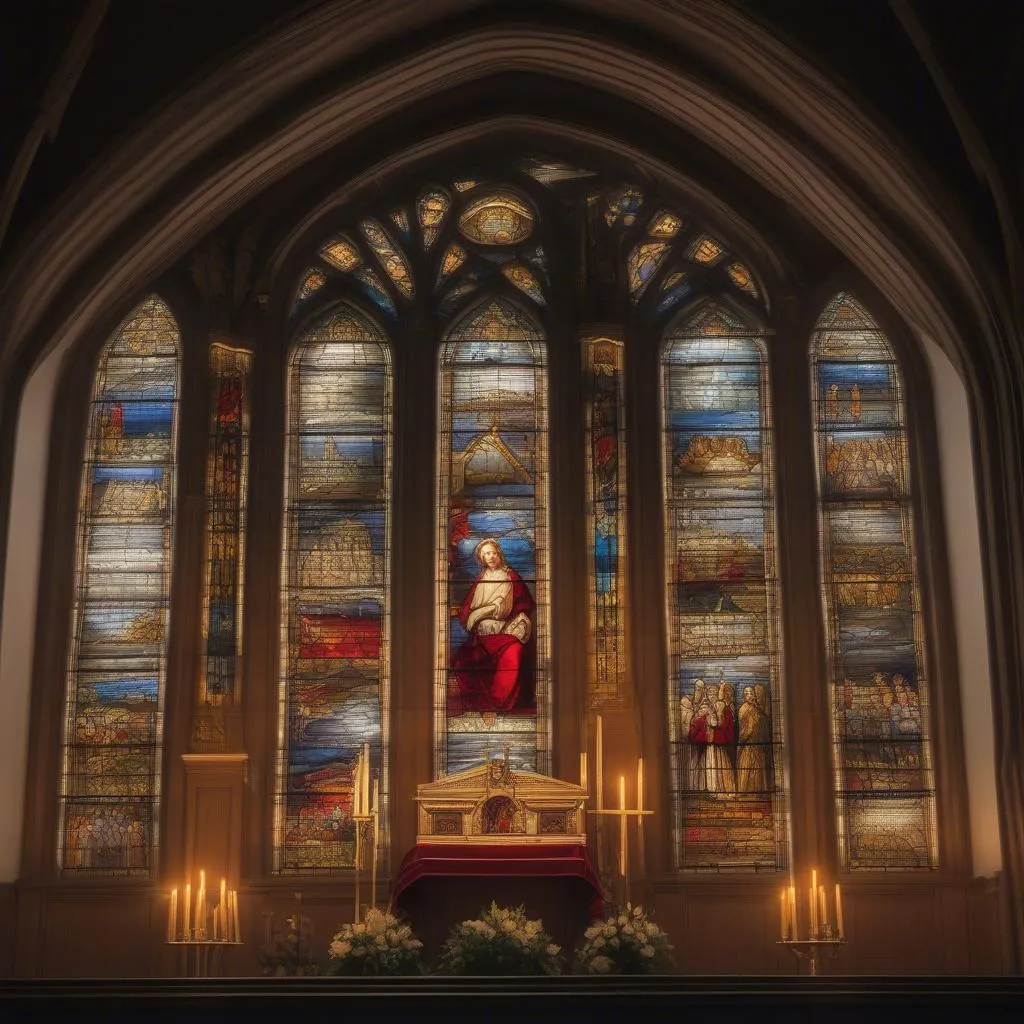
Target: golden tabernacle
(494, 803)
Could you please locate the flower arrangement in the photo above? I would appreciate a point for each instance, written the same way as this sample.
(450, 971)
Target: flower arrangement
(379, 945)
(289, 953)
(500, 942)
(627, 942)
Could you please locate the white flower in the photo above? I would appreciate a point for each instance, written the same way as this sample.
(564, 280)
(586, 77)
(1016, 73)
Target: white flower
(339, 948)
(358, 951)
(638, 911)
(627, 929)
(647, 951)
(609, 931)
(598, 942)
(508, 926)
(359, 929)
(614, 943)
(592, 932)
(553, 950)
(376, 922)
(600, 965)
(621, 919)
(653, 930)
(380, 942)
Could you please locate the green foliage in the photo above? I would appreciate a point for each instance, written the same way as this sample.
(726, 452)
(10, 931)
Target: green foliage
(379, 945)
(625, 942)
(500, 942)
(290, 953)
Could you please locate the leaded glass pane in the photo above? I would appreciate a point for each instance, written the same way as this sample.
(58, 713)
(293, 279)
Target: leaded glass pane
(336, 600)
(879, 694)
(724, 692)
(227, 473)
(498, 219)
(606, 522)
(493, 671)
(112, 736)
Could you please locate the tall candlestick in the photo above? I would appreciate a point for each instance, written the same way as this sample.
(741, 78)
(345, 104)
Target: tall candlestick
(783, 913)
(640, 817)
(622, 826)
(583, 770)
(366, 779)
(188, 911)
(839, 914)
(237, 937)
(216, 922)
(792, 913)
(223, 898)
(822, 910)
(376, 834)
(599, 765)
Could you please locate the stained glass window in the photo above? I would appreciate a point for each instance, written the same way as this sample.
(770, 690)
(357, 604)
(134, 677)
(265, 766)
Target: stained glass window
(431, 209)
(724, 702)
(879, 692)
(498, 219)
(493, 667)
(112, 734)
(704, 249)
(312, 281)
(227, 471)
(335, 627)
(390, 258)
(606, 521)
(642, 264)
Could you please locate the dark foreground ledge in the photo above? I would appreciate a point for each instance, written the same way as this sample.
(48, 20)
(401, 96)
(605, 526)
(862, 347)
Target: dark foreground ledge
(722, 998)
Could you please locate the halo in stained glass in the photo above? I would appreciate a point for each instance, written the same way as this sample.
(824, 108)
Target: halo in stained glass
(665, 224)
(497, 219)
(342, 253)
(704, 249)
(497, 319)
(642, 264)
(431, 209)
(391, 259)
(521, 277)
(742, 278)
(374, 287)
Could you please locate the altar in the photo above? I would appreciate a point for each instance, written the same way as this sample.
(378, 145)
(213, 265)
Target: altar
(492, 833)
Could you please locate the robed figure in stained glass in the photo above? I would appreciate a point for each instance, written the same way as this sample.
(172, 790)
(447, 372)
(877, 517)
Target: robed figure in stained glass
(493, 669)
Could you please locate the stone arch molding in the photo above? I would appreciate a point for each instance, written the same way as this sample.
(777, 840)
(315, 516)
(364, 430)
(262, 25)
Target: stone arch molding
(137, 212)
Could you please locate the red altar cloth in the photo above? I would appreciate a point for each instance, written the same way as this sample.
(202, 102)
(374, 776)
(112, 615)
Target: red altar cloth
(507, 860)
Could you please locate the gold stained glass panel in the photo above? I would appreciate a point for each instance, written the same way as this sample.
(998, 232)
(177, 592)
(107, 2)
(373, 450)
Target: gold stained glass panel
(431, 209)
(497, 219)
(342, 253)
(311, 283)
(665, 224)
(742, 278)
(643, 263)
(117, 664)
(704, 249)
(520, 275)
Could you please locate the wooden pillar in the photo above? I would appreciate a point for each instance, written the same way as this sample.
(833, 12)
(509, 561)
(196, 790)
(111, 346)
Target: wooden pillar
(214, 788)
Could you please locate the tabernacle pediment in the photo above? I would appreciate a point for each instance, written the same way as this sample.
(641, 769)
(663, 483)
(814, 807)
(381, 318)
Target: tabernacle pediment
(494, 803)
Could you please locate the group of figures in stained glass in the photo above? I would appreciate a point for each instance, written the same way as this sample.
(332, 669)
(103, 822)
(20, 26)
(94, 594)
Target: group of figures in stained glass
(482, 266)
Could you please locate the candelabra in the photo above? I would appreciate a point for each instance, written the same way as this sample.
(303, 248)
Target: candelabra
(824, 937)
(202, 932)
(366, 816)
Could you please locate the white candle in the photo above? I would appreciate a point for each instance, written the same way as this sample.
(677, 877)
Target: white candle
(216, 921)
(839, 913)
(188, 910)
(583, 770)
(599, 765)
(374, 806)
(794, 934)
(237, 937)
(172, 917)
(223, 896)
(813, 904)
(783, 914)
(640, 785)
(823, 909)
